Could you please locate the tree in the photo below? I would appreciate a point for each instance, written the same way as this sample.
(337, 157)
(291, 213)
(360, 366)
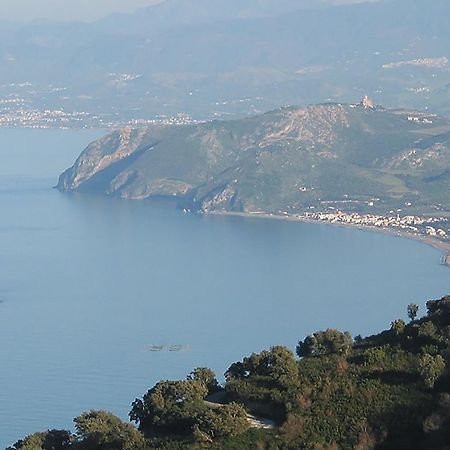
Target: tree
(398, 327)
(427, 330)
(278, 363)
(236, 372)
(101, 430)
(205, 376)
(439, 311)
(178, 407)
(171, 405)
(412, 310)
(325, 343)
(431, 368)
(48, 440)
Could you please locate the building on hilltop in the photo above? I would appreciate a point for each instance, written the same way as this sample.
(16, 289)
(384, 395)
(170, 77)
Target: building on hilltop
(367, 103)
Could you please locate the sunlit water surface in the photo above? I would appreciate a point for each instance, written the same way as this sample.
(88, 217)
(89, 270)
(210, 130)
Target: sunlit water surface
(87, 284)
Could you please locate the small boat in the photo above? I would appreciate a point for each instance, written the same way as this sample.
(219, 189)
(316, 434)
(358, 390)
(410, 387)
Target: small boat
(155, 348)
(175, 348)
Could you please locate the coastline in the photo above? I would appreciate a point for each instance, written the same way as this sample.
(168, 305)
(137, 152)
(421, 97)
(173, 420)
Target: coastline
(443, 247)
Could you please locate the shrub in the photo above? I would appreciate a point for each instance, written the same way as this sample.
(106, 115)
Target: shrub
(229, 420)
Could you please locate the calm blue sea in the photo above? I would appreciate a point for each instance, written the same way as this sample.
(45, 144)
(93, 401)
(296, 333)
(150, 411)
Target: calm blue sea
(87, 284)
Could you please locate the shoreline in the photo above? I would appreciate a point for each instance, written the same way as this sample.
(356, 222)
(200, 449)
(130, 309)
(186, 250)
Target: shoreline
(443, 247)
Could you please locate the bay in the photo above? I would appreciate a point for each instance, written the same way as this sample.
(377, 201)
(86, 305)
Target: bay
(88, 284)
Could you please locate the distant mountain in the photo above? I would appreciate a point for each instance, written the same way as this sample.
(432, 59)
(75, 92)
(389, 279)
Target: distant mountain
(288, 160)
(170, 13)
(211, 58)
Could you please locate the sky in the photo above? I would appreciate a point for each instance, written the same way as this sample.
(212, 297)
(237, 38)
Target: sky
(26, 10)
(85, 10)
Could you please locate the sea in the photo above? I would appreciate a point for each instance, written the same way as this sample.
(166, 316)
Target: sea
(100, 298)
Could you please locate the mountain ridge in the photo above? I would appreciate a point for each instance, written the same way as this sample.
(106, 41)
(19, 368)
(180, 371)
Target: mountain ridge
(292, 159)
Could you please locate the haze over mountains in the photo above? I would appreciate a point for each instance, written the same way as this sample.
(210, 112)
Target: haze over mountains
(235, 58)
(169, 13)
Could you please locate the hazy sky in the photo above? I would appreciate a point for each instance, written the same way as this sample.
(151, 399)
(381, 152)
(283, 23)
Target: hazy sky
(25, 10)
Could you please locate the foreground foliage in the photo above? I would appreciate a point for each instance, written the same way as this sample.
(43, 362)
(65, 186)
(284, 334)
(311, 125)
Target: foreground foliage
(388, 391)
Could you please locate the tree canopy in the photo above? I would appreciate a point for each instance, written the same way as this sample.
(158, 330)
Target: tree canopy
(325, 343)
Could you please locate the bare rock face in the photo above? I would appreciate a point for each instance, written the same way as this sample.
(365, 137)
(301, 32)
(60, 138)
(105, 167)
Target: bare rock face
(314, 124)
(100, 155)
(290, 159)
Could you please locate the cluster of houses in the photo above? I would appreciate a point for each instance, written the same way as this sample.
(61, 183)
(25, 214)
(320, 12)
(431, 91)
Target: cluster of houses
(420, 225)
(13, 115)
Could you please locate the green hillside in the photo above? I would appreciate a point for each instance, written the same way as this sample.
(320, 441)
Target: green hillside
(289, 160)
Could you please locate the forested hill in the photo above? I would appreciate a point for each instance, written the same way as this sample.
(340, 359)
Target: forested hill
(288, 160)
(390, 391)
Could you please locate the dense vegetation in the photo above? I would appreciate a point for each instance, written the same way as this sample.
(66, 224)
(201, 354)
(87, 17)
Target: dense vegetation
(388, 391)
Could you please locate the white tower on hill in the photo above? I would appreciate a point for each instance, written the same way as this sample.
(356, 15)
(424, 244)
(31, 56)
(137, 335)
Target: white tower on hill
(367, 102)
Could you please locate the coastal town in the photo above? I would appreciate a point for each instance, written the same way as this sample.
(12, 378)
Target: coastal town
(432, 229)
(31, 105)
(60, 119)
(436, 227)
